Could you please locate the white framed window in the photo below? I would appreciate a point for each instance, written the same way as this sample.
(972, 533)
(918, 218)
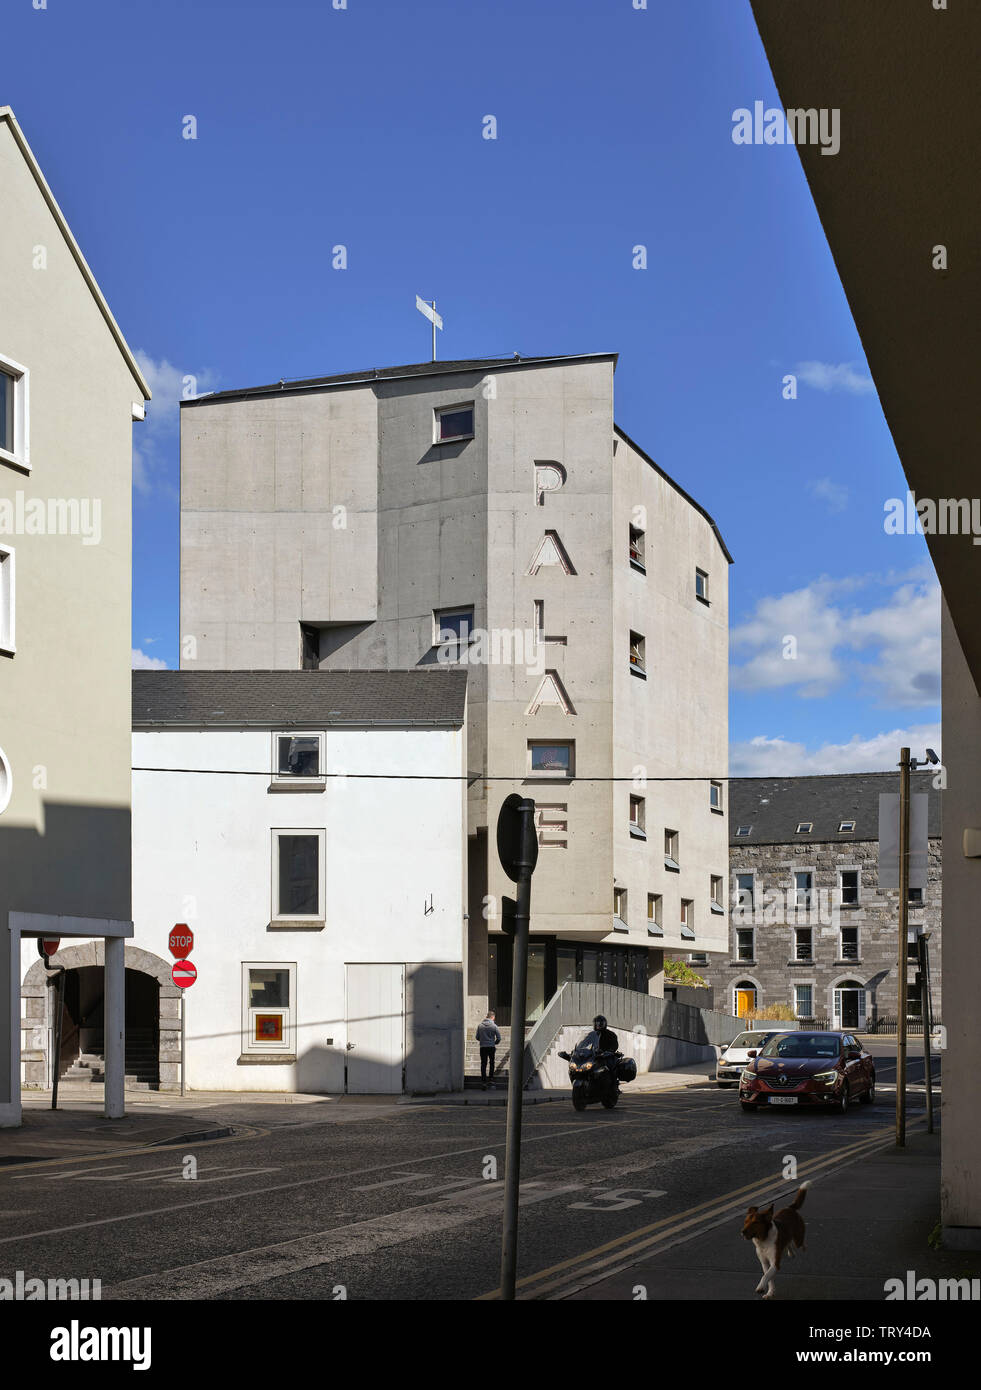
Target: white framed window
(745, 895)
(698, 958)
(845, 827)
(452, 631)
(637, 816)
(298, 875)
(6, 782)
(14, 414)
(717, 892)
(803, 943)
(803, 888)
(551, 759)
(298, 761)
(803, 1001)
(715, 796)
(671, 859)
(849, 944)
(453, 422)
(638, 549)
(269, 1007)
(849, 884)
(702, 585)
(7, 600)
(805, 827)
(746, 943)
(742, 831)
(655, 923)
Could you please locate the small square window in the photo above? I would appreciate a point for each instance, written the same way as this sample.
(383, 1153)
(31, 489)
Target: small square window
(7, 610)
(702, 585)
(742, 831)
(637, 549)
(915, 897)
(846, 827)
(454, 422)
(452, 631)
(805, 827)
(637, 658)
(551, 759)
(698, 958)
(298, 761)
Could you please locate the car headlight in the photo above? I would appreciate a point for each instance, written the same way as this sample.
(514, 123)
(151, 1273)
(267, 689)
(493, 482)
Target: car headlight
(747, 1076)
(826, 1076)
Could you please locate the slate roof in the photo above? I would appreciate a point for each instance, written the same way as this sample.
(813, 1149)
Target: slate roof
(775, 806)
(426, 696)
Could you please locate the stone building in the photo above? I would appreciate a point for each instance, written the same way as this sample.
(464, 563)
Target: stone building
(810, 928)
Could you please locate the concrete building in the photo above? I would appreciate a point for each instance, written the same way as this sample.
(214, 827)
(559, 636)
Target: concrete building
(897, 204)
(309, 829)
(69, 392)
(490, 513)
(811, 929)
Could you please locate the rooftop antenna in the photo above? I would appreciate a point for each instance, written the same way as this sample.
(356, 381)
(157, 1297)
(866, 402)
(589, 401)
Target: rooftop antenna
(428, 308)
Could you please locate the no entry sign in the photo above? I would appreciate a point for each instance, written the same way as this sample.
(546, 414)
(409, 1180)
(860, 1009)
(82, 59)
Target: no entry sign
(184, 974)
(47, 947)
(181, 941)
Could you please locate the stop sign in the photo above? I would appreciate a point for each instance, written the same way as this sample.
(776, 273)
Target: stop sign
(181, 941)
(184, 974)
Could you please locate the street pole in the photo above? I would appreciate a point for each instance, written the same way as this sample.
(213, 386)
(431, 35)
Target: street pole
(904, 774)
(519, 990)
(182, 1040)
(59, 1020)
(927, 1011)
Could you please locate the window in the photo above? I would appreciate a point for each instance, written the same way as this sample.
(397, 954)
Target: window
(551, 759)
(803, 943)
(14, 432)
(849, 943)
(637, 662)
(805, 827)
(298, 875)
(848, 882)
(715, 796)
(745, 946)
(655, 925)
(745, 892)
(298, 761)
(846, 827)
(269, 1008)
(914, 898)
(804, 1001)
(701, 586)
(309, 647)
(637, 818)
(452, 631)
(716, 893)
(698, 958)
(454, 422)
(7, 600)
(803, 886)
(671, 860)
(620, 904)
(688, 919)
(637, 551)
(742, 831)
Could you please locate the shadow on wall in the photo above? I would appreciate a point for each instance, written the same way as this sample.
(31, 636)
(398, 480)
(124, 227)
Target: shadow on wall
(78, 865)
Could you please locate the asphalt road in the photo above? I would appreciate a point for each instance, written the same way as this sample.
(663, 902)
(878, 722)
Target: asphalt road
(384, 1201)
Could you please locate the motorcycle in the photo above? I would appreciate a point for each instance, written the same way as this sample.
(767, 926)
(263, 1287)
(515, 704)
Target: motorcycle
(596, 1075)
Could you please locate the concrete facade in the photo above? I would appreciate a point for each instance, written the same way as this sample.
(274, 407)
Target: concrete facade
(65, 542)
(329, 504)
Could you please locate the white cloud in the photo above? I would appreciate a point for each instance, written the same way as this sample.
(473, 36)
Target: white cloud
(831, 376)
(141, 662)
(156, 439)
(778, 757)
(835, 494)
(812, 640)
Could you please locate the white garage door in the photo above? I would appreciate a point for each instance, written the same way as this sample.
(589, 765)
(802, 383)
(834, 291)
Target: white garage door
(375, 1029)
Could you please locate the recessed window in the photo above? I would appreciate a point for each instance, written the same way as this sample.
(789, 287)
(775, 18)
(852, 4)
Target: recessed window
(803, 943)
(298, 875)
(671, 859)
(655, 923)
(454, 422)
(309, 647)
(269, 1007)
(742, 831)
(717, 890)
(551, 759)
(687, 919)
(846, 827)
(803, 1001)
(805, 827)
(637, 812)
(715, 796)
(849, 943)
(848, 882)
(702, 585)
(14, 420)
(620, 903)
(745, 947)
(803, 887)
(745, 892)
(637, 549)
(452, 631)
(7, 600)
(637, 658)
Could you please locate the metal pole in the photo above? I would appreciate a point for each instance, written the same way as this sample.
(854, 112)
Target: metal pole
(927, 1012)
(904, 771)
(434, 330)
(59, 1019)
(519, 990)
(182, 1041)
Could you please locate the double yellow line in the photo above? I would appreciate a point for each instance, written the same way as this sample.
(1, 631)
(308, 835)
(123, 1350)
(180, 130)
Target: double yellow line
(628, 1249)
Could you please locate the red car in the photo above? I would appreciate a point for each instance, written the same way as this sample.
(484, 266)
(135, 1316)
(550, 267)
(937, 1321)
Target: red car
(802, 1069)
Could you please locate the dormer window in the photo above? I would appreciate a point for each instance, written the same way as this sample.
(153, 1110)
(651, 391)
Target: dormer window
(846, 827)
(805, 827)
(742, 831)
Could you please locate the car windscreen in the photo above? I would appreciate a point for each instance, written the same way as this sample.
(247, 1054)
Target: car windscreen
(802, 1045)
(749, 1040)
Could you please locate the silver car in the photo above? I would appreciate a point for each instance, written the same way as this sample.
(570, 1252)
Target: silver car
(735, 1055)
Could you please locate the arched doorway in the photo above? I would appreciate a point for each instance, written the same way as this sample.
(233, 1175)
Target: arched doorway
(848, 1005)
(744, 998)
(152, 1018)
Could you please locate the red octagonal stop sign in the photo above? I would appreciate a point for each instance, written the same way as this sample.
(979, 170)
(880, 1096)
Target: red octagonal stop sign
(184, 974)
(181, 941)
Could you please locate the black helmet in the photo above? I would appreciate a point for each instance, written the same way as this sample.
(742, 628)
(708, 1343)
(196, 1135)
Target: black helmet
(599, 1023)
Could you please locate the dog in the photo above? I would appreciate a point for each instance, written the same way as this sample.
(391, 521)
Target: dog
(774, 1236)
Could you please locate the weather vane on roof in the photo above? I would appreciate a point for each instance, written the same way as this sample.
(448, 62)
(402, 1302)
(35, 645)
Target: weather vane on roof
(429, 309)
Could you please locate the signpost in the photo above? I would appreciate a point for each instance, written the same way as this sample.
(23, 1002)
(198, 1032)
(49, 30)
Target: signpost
(183, 974)
(517, 848)
(429, 310)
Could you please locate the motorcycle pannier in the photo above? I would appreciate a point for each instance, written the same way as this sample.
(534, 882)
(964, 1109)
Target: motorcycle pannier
(626, 1069)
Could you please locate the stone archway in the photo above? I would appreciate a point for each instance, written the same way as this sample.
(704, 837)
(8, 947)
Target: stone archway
(35, 994)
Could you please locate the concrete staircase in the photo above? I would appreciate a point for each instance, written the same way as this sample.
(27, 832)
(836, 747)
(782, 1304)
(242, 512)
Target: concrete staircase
(471, 1060)
(142, 1067)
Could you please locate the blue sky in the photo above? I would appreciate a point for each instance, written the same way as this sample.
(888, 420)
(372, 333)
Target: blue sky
(363, 127)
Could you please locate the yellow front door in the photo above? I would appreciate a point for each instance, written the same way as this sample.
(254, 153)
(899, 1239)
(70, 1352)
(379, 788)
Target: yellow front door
(745, 1002)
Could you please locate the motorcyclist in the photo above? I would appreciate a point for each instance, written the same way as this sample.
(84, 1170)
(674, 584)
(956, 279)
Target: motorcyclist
(601, 1038)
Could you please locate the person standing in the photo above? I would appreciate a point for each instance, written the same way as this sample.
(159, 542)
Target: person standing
(488, 1036)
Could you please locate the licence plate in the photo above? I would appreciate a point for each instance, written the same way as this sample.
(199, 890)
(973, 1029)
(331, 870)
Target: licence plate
(783, 1100)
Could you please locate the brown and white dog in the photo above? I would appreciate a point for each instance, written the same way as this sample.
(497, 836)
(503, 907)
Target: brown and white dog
(774, 1236)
